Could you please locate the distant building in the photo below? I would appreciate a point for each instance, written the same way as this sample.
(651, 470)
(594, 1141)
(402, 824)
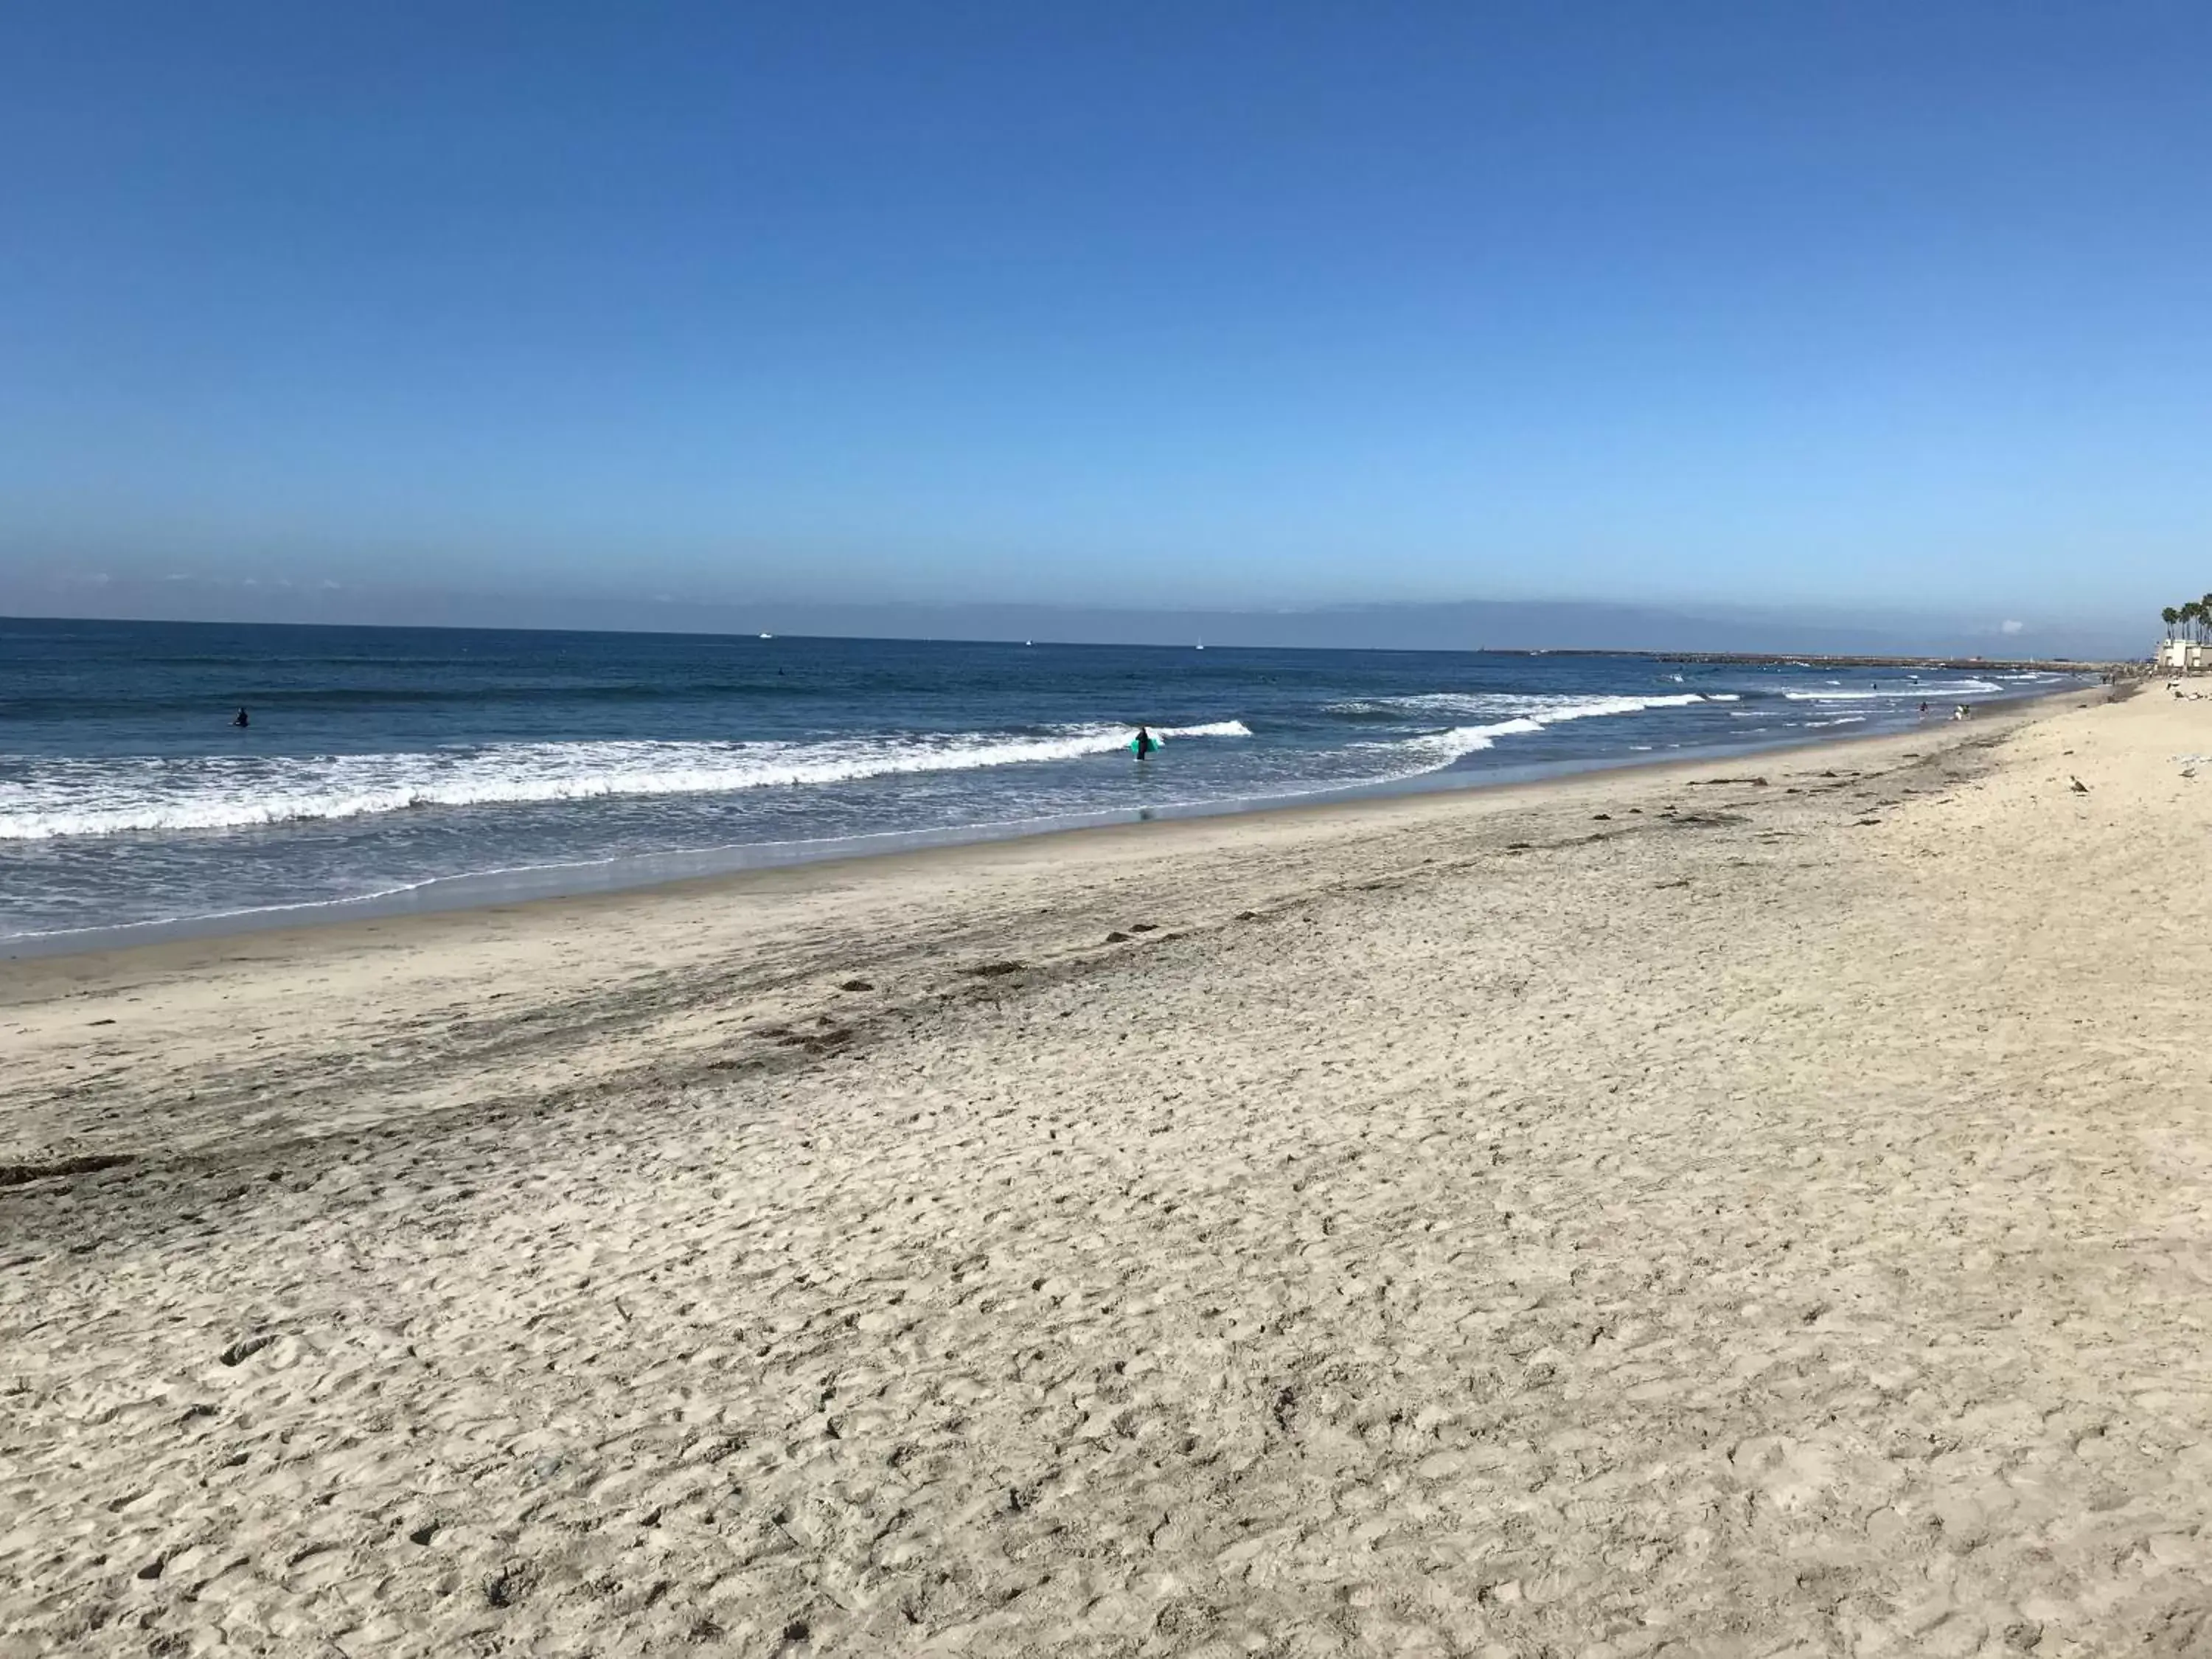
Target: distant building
(2184, 656)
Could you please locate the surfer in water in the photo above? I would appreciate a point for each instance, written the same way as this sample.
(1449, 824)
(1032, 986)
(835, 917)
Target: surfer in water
(239, 719)
(1144, 743)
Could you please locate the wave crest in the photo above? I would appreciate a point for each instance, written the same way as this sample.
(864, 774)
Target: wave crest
(1906, 692)
(1544, 709)
(1435, 749)
(107, 797)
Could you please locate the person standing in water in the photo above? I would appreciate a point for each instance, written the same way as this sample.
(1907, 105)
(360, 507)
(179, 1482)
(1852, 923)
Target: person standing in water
(1144, 743)
(239, 719)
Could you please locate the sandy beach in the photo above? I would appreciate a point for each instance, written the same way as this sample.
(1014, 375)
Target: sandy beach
(1757, 1210)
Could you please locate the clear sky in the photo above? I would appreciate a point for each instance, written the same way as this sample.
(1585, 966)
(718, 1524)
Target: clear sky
(1852, 304)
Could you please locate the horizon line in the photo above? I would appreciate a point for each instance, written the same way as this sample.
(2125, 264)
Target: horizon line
(1937, 659)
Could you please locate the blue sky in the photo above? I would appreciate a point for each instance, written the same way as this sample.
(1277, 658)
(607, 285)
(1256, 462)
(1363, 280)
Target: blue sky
(1862, 306)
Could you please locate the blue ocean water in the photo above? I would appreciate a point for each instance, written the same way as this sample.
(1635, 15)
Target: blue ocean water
(391, 761)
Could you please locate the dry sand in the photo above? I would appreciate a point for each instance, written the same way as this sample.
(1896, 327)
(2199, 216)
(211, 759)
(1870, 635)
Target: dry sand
(1632, 1215)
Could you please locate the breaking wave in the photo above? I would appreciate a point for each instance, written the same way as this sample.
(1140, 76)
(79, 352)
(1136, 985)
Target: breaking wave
(1546, 710)
(1905, 690)
(115, 796)
(1435, 750)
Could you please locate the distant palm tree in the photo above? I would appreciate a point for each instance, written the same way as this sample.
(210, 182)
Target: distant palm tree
(2192, 613)
(2169, 616)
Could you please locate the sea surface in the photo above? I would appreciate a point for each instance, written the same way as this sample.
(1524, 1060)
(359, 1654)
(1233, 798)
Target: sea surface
(409, 768)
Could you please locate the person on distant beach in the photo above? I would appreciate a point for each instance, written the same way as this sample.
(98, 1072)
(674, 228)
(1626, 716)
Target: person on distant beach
(239, 719)
(1144, 743)
(1923, 707)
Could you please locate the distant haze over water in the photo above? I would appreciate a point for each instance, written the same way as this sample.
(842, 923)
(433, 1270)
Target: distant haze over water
(1466, 625)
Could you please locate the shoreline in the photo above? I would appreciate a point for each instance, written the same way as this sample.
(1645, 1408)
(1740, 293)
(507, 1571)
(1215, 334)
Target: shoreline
(653, 872)
(794, 930)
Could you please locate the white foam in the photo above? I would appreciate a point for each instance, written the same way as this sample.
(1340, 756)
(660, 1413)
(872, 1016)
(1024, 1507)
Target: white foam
(1912, 692)
(1214, 729)
(1444, 747)
(114, 796)
(1435, 749)
(1544, 709)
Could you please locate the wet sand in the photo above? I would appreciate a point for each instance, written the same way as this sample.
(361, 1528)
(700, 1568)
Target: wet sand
(1632, 1213)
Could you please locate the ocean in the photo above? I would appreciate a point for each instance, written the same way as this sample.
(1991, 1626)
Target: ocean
(399, 768)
